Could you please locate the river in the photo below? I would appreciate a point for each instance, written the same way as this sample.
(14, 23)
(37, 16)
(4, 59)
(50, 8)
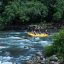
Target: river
(17, 47)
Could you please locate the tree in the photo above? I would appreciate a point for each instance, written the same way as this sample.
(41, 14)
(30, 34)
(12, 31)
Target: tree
(3, 3)
(59, 10)
(25, 11)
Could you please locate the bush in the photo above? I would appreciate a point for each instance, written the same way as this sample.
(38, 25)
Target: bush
(58, 45)
(48, 51)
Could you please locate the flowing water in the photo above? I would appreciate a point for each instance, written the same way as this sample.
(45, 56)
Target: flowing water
(17, 47)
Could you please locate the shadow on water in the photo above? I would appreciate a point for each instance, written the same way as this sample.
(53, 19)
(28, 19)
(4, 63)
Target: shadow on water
(18, 47)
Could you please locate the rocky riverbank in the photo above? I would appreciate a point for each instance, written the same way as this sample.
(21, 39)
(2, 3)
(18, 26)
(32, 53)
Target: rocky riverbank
(42, 26)
(39, 58)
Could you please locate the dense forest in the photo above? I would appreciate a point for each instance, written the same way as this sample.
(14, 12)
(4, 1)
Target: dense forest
(18, 12)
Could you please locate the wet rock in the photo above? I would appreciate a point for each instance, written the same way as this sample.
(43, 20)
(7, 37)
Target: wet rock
(40, 59)
(39, 53)
(52, 62)
(53, 58)
(43, 61)
(37, 59)
(29, 62)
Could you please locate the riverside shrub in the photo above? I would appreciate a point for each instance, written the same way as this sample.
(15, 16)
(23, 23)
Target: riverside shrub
(57, 46)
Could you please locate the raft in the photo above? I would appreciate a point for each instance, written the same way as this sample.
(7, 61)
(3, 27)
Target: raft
(38, 35)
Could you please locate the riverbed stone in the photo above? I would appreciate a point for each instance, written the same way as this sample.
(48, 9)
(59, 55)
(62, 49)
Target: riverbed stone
(40, 59)
(39, 53)
(53, 58)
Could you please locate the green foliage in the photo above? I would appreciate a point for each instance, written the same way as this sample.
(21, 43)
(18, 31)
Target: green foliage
(3, 3)
(59, 9)
(25, 10)
(31, 10)
(58, 45)
(2, 23)
(57, 16)
(48, 50)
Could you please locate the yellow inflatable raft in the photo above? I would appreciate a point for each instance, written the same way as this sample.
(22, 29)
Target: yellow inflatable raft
(37, 35)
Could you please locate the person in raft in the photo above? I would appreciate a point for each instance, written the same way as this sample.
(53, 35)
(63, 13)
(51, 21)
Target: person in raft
(46, 31)
(34, 31)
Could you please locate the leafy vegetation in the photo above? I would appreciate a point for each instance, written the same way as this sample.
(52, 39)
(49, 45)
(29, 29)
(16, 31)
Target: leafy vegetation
(48, 50)
(59, 9)
(30, 11)
(58, 45)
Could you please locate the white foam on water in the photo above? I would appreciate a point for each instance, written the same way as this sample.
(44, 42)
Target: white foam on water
(1, 47)
(28, 57)
(7, 58)
(37, 38)
(3, 38)
(35, 42)
(12, 37)
(24, 57)
(14, 33)
(25, 40)
(44, 43)
(32, 49)
(6, 62)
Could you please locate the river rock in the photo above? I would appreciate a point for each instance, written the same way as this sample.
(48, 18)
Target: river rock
(52, 62)
(53, 58)
(39, 53)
